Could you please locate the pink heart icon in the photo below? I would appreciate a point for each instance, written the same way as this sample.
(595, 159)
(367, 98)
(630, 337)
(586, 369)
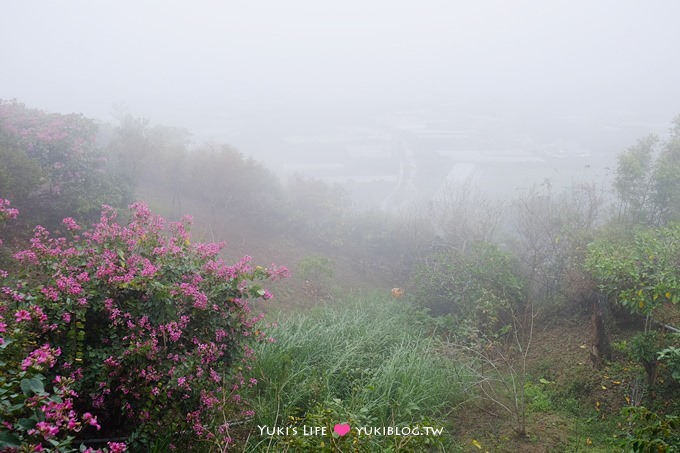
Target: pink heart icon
(341, 429)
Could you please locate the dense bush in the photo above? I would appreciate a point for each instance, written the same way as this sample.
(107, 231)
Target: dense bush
(478, 284)
(649, 431)
(51, 167)
(130, 330)
(642, 272)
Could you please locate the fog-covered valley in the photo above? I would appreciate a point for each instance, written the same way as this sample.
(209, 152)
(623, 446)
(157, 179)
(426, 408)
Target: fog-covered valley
(262, 226)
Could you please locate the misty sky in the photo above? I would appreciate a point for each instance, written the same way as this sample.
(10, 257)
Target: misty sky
(246, 65)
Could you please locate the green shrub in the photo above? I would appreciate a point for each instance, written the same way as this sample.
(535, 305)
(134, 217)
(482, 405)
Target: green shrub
(671, 356)
(651, 432)
(478, 284)
(537, 399)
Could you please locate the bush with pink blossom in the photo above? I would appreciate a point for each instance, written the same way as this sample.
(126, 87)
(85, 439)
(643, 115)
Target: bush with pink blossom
(51, 165)
(126, 332)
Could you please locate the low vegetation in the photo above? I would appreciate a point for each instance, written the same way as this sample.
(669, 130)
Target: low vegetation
(367, 361)
(548, 326)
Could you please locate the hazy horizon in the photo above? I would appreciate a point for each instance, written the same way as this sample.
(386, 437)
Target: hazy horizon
(592, 74)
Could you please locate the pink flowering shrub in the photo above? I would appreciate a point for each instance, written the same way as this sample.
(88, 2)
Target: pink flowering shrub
(6, 212)
(50, 165)
(126, 331)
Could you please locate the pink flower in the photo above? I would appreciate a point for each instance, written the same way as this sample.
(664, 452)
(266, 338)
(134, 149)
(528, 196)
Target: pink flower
(22, 315)
(278, 272)
(40, 356)
(199, 297)
(50, 292)
(70, 223)
(214, 375)
(11, 213)
(110, 361)
(142, 211)
(46, 429)
(173, 330)
(69, 285)
(116, 447)
(208, 399)
(149, 269)
(92, 421)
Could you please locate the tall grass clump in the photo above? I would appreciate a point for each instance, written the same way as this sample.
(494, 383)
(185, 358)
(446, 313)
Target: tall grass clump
(367, 362)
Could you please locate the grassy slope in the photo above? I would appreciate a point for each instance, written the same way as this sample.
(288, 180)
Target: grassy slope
(367, 361)
(327, 351)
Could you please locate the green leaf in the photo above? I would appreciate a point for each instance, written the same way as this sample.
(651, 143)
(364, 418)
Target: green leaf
(27, 423)
(32, 386)
(9, 440)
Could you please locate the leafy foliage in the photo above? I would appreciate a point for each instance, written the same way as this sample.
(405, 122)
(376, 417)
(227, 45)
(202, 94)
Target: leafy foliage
(671, 356)
(667, 177)
(50, 165)
(643, 272)
(478, 283)
(649, 431)
(233, 184)
(648, 179)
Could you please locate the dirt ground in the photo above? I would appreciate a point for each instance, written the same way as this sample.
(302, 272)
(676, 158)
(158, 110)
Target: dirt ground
(558, 354)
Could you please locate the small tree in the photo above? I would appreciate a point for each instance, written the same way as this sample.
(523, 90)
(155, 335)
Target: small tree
(53, 165)
(469, 284)
(648, 179)
(499, 365)
(667, 177)
(642, 274)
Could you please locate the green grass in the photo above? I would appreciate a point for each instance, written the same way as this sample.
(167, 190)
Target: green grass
(367, 361)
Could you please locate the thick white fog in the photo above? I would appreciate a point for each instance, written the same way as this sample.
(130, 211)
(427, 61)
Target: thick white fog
(352, 90)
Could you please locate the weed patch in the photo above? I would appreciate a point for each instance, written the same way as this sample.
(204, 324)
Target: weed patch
(365, 363)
